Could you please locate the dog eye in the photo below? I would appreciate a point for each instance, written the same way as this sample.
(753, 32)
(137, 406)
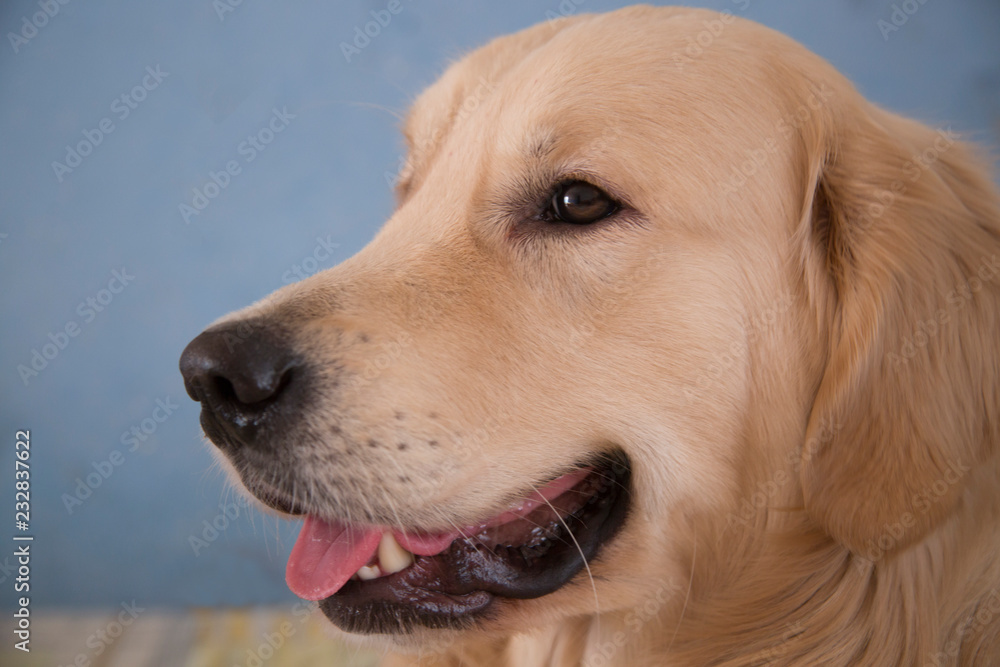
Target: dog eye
(580, 203)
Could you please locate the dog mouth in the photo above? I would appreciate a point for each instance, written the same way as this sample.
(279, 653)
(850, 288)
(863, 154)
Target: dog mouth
(372, 579)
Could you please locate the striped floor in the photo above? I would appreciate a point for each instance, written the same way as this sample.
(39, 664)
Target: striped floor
(254, 637)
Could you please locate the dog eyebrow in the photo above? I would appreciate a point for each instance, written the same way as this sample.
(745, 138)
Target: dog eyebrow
(542, 146)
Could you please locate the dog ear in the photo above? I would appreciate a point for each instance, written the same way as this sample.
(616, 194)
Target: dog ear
(906, 224)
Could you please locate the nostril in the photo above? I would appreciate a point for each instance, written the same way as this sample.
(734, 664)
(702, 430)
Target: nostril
(252, 387)
(224, 389)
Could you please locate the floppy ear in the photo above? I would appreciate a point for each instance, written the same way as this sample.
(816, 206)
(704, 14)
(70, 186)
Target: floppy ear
(906, 222)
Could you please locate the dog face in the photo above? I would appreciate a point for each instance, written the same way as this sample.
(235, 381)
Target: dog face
(609, 303)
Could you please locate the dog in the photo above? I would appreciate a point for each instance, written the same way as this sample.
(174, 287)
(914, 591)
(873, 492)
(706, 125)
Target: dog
(667, 356)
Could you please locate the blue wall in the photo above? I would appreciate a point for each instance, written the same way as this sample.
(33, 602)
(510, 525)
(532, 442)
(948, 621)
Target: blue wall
(322, 181)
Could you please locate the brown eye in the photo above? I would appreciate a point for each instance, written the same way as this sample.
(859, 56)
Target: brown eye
(580, 203)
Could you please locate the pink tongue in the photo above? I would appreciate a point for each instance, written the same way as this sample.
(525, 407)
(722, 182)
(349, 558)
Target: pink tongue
(425, 544)
(326, 555)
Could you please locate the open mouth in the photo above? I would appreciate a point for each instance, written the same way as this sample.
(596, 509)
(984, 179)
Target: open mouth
(373, 579)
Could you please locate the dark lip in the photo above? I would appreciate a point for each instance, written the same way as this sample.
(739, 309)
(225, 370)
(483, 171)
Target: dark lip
(461, 586)
(215, 430)
(228, 430)
(273, 498)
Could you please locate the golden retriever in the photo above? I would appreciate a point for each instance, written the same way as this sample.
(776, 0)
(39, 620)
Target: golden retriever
(676, 351)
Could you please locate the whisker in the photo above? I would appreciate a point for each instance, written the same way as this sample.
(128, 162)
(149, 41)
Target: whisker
(586, 563)
(687, 594)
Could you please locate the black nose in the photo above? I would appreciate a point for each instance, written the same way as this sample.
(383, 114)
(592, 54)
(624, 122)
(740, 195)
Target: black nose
(242, 373)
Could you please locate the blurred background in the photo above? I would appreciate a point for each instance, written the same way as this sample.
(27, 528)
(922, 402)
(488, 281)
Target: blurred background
(165, 163)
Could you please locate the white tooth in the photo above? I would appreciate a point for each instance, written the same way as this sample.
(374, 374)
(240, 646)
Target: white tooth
(369, 572)
(391, 556)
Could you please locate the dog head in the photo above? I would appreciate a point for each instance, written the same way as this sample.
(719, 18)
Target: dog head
(626, 282)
